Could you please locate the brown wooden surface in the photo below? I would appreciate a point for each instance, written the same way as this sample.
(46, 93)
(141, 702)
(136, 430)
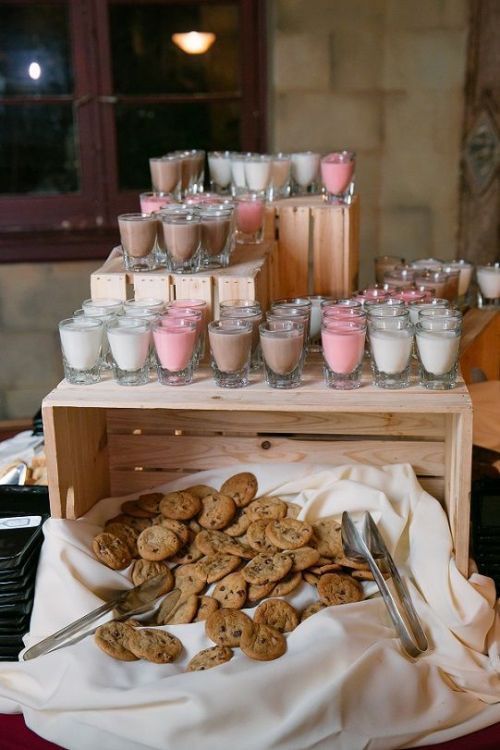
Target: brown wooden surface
(480, 344)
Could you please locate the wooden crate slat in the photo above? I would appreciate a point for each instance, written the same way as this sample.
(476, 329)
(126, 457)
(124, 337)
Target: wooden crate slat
(292, 277)
(329, 239)
(153, 421)
(187, 452)
(154, 284)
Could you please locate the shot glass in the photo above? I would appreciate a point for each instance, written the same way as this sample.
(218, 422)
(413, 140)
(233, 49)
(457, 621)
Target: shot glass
(249, 218)
(217, 235)
(294, 308)
(258, 173)
(231, 347)
(102, 306)
(129, 344)
(402, 277)
(438, 340)
(201, 306)
(192, 171)
(337, 176)
(391, 342)
(433, 279)
(385, 264)
(343, 350)
(104, 313)
(175, 347)
(166, 174)
(305, 172)
(134, 307)
(282, 353)
(415, 307)
(196, 317)
(219, 166)
(411, 295)
(179, 240)
(452, 285)
(238, 182)
(154, 201)
(81, 343)
(488, 281)
(465, 270)
(281, 173)
(138, 240)
(249, 310)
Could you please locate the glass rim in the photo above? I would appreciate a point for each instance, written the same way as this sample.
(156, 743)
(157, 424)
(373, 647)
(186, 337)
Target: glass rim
(181, 217)
(291, 302)
(137, 216)
(180, 322)
(354, 323)
(144, 302)
(238, 325)
(329, 158)
(291, 327)
(87, 322)
(165, 157)
(126, 322)
(489, 266)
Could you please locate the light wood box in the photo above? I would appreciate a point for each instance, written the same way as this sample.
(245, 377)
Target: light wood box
(317, 246)
(107, 439)
(248, 277)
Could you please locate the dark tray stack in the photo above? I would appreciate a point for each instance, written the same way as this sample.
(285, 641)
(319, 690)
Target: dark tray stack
(22, 513)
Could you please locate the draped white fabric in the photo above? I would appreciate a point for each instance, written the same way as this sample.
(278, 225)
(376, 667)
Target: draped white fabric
(344, 683)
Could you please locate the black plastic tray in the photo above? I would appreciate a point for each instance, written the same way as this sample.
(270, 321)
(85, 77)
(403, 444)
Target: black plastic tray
(21, 576)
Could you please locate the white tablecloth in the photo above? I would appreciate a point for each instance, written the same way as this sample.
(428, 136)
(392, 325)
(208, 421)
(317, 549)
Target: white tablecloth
(344, 683)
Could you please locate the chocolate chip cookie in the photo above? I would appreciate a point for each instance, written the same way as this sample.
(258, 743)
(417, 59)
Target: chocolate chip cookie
(231, 591)
(264, 568)
(263, 643)
(112, 551)
(225, 627)
(210, 657)
(181, 506)
(154, 645)
(241, 487)
(218, 511)
(157, 543)
(278, 614)
(288, 533)
(339, 588)
(113, 638)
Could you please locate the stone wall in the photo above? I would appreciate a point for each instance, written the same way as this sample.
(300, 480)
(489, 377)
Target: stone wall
(386, 78)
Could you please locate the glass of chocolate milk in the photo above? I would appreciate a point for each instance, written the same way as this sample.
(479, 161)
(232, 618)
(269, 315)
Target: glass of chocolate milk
(217, 235)
(282, 344)
(192, 171)
(166, 172)
(138, 240)
(250, 310)
(230, 346)
(179, 240)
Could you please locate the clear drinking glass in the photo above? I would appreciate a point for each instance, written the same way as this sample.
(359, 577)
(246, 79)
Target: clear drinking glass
(385, 264)
(391, 342)
(400, 277)
(465, 270)
(415, 307)
(488, 281)
(337, 176)
(81, 343)
(217, 235)
(343, 343)
(281, 173)
(238, 183)
(249, 310)
(438, 340)
(196, 316)
(199, 305)
(249, 218)
(436, 280)
(305, 172)
(166, 174)
(129, 344)
(258, 173)
(192, 171)
(102, 313)
(138, 241)
(219, 166)
(102, 306)
(149, 304)
(154, 201)
(231, 346)
(179, 239)
(175, 347)
(282, 353)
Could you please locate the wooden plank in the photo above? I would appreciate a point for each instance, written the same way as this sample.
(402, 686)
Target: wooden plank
(480, 344)
(312, 396)
(110, 280)
(77, 458)
(154, 421)
(126, 482)
(156, 284)
(194, 286)
(351, 246)
(328, 251)
(187, 452)
(293, 248)
(458, 458)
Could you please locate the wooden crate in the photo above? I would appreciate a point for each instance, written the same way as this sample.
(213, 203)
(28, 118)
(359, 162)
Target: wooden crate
(106, 439)
(317, 246)
(480, 344)
(248, 277)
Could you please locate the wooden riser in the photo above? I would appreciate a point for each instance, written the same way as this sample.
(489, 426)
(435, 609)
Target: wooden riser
(107, 439)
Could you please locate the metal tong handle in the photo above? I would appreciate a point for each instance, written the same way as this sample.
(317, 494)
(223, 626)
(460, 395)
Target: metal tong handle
(410, 643)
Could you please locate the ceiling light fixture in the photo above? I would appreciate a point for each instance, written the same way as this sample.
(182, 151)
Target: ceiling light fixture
(194, 42)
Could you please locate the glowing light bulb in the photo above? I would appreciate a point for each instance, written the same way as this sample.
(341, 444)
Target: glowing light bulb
(34, 71)
(194, 42)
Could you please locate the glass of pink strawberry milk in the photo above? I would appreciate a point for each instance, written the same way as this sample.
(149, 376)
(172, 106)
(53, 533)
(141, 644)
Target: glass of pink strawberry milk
(343, 343)
(175, 346)
(249, 218)
(337, 176)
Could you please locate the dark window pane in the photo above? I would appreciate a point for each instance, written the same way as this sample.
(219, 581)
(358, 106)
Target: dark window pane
(35, 55)
(37, 149)
(146, 61)
(152, 130)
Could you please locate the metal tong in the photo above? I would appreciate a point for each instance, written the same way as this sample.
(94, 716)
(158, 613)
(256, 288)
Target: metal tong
(368, 546)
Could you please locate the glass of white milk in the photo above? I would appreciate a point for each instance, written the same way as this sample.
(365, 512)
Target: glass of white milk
(438, 333)
(391, 342)
(81, 343)
(130, 345)
(488, 281)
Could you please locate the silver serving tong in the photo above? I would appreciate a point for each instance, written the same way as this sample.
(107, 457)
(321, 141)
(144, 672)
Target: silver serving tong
(368, 546)
(127, 603)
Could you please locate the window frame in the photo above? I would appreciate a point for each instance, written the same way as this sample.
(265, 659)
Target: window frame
(80, 225)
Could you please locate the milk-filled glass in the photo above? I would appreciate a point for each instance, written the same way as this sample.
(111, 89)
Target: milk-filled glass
(385, 264)
(138, 241)
(437, 337)
(391, 342)
(179, 239)
(250, 311)
(129, 343)
(343, 343)
(154, 201)
(166, 174)
(281, 173)
(488, 281)
(415, 307)
(305, 172)
(282, 347)
(258, 173)
(81, 342)
(230, 346)
(249, 218)
(175, 347)
(219, 167)
(150, 304)
(192, 170)
(217, 235)
(238, 182)
(337, 176)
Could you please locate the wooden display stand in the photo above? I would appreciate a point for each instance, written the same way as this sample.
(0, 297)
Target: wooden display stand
(107, 439)
(248, 277)
(317, 247)
(480, 344)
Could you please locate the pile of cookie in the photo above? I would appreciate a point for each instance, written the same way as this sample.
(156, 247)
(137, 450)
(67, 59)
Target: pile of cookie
(249, 548)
